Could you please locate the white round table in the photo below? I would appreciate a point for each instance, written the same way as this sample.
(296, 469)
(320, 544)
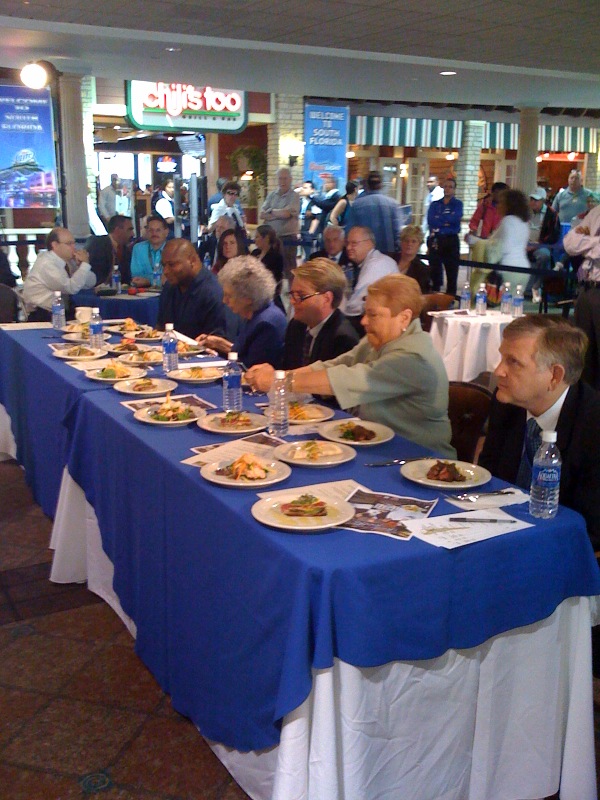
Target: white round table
(468, 344)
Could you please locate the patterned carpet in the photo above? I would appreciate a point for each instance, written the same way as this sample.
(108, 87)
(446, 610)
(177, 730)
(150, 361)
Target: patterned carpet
(81, 715)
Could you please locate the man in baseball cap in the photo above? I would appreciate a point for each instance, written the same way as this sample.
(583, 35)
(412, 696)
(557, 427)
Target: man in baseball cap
(544, 231)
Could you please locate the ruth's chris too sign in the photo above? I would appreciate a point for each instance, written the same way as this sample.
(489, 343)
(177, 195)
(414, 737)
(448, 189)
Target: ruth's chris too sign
(185, 107)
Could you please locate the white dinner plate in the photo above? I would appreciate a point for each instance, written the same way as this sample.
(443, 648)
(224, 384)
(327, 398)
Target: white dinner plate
(278, 472)
(316, 414)
(212, 423)
(77, 337)
(212, 374)
(138, 360)
(75, 327)
(268, 511)
(143, 415)
(160, 387)
(143, 336)
(192, 353)
(295, 454)
(114, 348)
(121, 331)
(417, 471)
(134, 374)
(332, 432)
(94, 354)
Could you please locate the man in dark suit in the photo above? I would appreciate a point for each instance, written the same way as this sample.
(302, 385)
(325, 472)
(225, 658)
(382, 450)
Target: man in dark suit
(318, 330)
(334, 239)
(115, 248)
(539, 377)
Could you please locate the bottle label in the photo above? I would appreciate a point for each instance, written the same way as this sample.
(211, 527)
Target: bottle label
(233, 381)
(170, 346)
(95, 328)
(546, 477)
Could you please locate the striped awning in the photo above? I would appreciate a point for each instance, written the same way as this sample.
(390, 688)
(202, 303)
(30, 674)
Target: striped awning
(397, 132)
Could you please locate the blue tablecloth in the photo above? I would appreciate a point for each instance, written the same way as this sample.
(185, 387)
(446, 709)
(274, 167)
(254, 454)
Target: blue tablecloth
(232, 616)
(142, 308)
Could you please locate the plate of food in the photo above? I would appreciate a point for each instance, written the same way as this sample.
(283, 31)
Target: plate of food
(82, 336)
(445, 473)
(358, 433)
(197, 374)
(246, 472)
(128, 326)
(314, 453)
(76, 327)
(172, 413)
(301, 413)
(188, 350)
(78, 352)
(112, 371)
(147, 358)
(301, 512)
(233, 422)
(126, 346)
(148, 335)
(145, 387)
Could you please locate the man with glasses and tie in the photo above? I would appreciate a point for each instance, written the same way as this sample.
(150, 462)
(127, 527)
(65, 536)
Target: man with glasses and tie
(371, 265)
(59, 268)
(539, 388)
(319, 330)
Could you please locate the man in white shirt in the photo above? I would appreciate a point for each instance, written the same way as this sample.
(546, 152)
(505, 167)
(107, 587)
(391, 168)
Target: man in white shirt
(434, 192)
(107, 199)
(60, 268)
(372, 265)
(165, 207)
(227, 206)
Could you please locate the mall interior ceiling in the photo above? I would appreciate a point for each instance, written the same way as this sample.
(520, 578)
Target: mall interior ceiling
(504, 52)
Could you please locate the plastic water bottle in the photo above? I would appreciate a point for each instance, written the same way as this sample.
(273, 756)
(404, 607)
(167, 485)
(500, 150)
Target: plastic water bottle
(116, 279)
(481, 300)
(156, 275)
(545, 478)
(232, 384)
(96, 334)
(465, 297)
(518, 302)
(278, 406)
(506, 302)
(169, 348)
(59, 319)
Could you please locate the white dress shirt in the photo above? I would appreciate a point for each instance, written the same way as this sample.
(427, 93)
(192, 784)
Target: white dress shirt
(49, 275)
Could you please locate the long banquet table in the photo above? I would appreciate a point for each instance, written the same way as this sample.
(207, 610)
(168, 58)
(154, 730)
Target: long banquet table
(340, 665)
(142, 307)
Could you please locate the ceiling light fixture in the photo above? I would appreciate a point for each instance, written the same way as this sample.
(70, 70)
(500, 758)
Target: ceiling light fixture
(173, 49)
(572, 156)
(35, 75)
(538, 159)
(448, 72)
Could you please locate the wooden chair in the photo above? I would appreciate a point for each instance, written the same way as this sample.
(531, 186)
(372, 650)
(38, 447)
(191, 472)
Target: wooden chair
(437, 301)
(468, 410)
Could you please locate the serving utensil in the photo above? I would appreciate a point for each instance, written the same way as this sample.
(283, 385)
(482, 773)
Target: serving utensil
(473, 498)
(393, 461)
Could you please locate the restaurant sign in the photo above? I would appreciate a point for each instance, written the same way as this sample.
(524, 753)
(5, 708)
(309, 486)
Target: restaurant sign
(179, 107)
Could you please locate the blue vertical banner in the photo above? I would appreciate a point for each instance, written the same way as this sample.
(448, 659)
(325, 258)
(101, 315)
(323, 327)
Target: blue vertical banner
(326, 131)
(27, 152)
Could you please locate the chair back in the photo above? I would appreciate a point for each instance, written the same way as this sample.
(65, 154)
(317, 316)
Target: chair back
(468, 409)
(437, 301)
(9, 304)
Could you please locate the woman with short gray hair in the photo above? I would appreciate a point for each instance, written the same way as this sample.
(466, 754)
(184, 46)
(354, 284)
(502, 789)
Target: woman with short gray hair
(248, 290)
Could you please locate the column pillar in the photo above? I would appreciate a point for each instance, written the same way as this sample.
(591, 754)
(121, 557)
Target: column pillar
(526, 171)
(289, 124)
(467, 166)
(88, 101)
(212, 162)
(592, 171)
(73, 154)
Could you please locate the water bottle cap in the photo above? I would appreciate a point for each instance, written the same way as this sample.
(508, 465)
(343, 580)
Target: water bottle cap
(168, 326)
(548, 436)
(232, 356)
(57, 294)
(279, 374)
(95, 310)
(482, 285)
(507, 285)
(519, 286)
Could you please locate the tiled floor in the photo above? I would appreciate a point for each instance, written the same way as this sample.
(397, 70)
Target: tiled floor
(80, 714)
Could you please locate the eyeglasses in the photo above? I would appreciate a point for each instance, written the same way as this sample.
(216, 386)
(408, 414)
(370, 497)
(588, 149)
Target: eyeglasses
(298, 297)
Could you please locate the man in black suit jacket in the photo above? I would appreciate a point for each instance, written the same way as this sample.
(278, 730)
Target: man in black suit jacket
(538, 376)
(319, 330)
(115, 248)
(335, 250)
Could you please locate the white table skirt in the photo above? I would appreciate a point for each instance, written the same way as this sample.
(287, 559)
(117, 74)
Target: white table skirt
(469, 345)
(509, 720)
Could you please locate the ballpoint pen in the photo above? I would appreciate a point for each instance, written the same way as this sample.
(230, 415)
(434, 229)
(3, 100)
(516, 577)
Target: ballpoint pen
(479, 519)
